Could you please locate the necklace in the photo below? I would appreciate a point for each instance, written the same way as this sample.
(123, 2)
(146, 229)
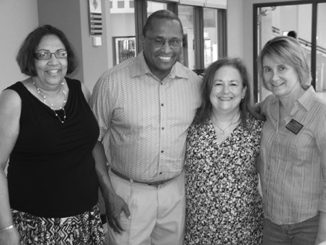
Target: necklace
(234, 120)
(59, 112)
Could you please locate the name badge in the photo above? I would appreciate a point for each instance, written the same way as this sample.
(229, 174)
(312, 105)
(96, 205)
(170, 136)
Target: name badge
(294, 126)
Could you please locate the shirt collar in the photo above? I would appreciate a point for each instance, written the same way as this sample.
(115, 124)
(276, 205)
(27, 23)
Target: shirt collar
(305, 100)
(140, 68)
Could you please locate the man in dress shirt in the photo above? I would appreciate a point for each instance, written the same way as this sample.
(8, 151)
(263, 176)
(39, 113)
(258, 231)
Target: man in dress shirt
(144, 107)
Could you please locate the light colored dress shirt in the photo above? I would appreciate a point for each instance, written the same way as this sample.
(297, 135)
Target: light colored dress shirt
(144, 121)
(293, 166)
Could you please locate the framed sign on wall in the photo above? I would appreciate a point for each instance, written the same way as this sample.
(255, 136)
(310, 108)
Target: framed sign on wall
(95, 21)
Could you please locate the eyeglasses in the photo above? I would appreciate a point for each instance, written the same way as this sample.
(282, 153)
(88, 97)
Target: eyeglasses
(45, 54)
(160, 42)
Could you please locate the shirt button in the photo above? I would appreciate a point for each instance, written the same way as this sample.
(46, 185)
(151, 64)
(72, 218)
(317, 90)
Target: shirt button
(162, 104)
(161, 173)
(162, 128)
(162, 151)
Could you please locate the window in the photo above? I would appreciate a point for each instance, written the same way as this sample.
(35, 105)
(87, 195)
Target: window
(154, 6)
(186, 14)
(210, 36)
(121, 4)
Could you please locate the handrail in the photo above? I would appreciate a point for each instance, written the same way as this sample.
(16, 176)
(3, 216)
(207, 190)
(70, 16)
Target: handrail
(301, 40)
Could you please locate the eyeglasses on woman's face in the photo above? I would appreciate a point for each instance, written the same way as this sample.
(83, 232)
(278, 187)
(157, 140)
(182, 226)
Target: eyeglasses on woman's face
(44, 54)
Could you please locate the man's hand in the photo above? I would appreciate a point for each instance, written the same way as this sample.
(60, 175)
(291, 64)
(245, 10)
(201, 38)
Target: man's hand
(114, 206)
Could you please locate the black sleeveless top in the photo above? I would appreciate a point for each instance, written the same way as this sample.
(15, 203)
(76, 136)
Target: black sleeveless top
(51, 170)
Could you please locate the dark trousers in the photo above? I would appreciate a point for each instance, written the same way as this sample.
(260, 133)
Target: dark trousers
(303, 233)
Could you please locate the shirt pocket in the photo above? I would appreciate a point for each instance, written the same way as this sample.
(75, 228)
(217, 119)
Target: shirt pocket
(302, 148)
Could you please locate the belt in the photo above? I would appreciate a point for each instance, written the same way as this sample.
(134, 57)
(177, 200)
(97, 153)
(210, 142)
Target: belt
(155, 183)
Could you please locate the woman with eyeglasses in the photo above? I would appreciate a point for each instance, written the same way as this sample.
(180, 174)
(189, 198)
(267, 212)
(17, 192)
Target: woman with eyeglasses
(48, 134)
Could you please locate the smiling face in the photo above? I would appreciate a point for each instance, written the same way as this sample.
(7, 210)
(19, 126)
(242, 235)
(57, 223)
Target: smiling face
(51, 72)
(162, 46)
(227, 90)
(280, 78)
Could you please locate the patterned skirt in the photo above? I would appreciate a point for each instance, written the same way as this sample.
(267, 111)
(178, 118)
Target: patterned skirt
(82, 229)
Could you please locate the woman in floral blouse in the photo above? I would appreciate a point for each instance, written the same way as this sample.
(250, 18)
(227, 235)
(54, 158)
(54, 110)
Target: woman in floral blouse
(223, 205)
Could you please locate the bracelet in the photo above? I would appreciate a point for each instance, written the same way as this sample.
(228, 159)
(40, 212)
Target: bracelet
(7, 228)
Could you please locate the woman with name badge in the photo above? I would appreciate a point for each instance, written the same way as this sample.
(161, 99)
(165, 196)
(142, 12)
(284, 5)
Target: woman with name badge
(293, 155)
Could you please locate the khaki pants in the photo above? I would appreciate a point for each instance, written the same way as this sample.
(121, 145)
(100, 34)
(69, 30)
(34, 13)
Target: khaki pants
(157, 213)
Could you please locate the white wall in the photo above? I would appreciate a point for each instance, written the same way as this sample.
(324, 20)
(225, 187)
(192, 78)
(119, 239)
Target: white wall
(235, 28)
(17, 19)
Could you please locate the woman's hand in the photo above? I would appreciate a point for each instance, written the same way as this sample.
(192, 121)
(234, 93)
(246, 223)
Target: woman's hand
(114, 206)
(9, 237)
